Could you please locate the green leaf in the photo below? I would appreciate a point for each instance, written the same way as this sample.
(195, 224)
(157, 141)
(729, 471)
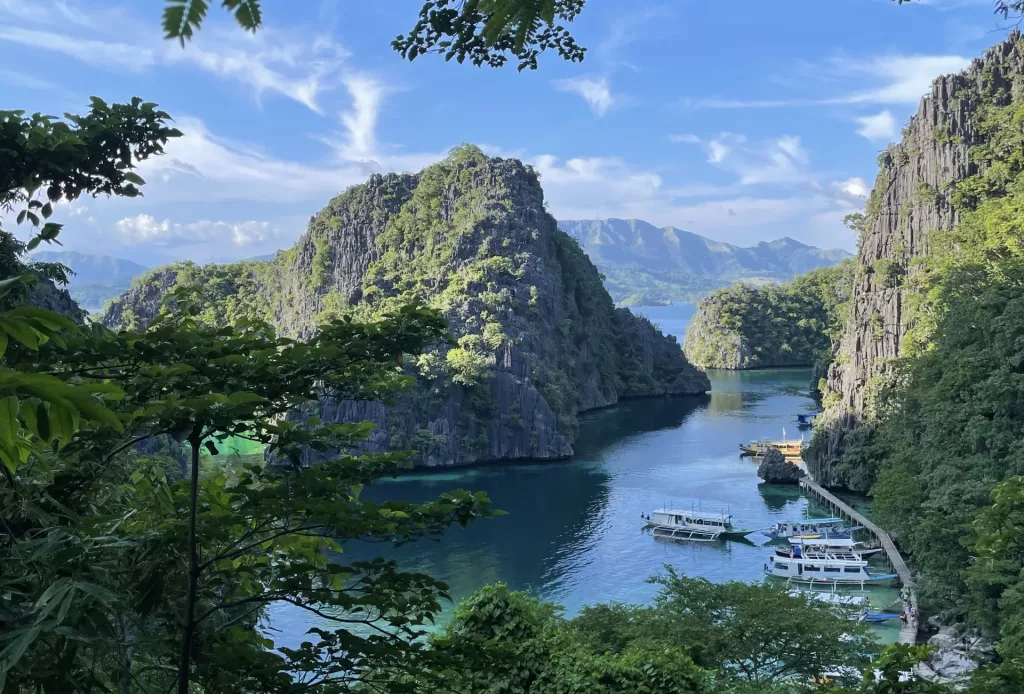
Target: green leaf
(10, 656)
(245, 398)
(43, 421)
(21, 216)
(3, 342)
(9, 425)
(21, 331)
(133, 177)
(182, 18)
(28, 415)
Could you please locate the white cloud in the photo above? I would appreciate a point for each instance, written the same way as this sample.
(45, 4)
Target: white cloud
(906, 77)
(596, 92)
(268, 61)
(361, 121)
(146, 229)
(856, 187)
(881, 126)
(104, 54)
(898, 79)
(779, 160)
(202, 166)
(295, 65)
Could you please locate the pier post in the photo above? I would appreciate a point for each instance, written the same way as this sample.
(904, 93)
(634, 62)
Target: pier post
(908, 634)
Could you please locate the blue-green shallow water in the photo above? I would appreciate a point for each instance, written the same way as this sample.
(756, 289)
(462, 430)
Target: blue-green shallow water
(573, 533)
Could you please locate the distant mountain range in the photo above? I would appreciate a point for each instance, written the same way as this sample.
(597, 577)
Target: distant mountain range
(647, 265)
(97, 278)
(642, 264)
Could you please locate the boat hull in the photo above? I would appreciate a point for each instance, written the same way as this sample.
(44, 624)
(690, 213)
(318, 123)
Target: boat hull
(810, 580)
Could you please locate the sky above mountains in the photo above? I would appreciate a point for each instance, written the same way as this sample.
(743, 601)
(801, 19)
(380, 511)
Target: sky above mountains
(740, 121)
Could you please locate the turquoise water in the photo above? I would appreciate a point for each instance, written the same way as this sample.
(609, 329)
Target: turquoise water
(573, 533)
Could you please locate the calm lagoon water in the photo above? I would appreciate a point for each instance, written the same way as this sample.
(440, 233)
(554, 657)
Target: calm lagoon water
(573, 531)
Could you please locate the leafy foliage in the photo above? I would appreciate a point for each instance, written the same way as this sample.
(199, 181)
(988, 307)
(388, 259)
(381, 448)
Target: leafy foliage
(944, 456)
(485, 32)
(744, 327)
(697, 637)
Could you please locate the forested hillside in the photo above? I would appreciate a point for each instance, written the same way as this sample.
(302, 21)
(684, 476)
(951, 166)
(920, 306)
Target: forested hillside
(790, 324)
(644, 264)
(94, 278)
(538, 339)
(926, 392)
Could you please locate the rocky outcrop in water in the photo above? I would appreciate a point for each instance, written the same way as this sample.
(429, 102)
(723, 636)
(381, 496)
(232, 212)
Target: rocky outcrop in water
(910, 201)
(790, 324)
(775, 469)
(538, 339)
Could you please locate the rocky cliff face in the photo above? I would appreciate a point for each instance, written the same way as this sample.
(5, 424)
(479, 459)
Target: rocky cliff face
(538, 338)
(910, 201)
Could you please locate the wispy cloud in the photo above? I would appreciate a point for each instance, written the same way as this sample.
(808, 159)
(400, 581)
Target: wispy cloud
(293, 65)
(267, 62)
(146, 229)
(361, 120)
(103, 54)
(595, 91)
(778, 160)
(879, 127)
(18, 79)
(897, 79)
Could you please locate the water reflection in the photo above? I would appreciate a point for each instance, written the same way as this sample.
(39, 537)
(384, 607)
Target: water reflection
(777, 496)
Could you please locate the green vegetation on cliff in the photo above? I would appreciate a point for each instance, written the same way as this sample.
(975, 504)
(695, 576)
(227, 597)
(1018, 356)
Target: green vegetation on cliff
(941, 450)
(467, 236)
(795, 323)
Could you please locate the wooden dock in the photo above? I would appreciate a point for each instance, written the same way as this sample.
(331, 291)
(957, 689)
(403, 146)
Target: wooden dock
(908, 634)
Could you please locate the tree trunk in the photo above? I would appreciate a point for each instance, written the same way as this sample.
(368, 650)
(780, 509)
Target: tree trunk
(189, 626)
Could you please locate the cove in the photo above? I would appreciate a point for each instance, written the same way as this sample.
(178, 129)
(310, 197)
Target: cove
(573, 532)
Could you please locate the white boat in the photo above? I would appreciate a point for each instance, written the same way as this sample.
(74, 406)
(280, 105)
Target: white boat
(829, 540)
(808, 526)
(823, 568)
(699, 526)
(834, 598)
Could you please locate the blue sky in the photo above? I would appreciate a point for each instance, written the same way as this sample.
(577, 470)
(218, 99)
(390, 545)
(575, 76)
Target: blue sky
(741, 121)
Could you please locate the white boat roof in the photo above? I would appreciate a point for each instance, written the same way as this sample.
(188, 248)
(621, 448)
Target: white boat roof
(822, 541)
(818, 521)
(703, 515)
(823, 561)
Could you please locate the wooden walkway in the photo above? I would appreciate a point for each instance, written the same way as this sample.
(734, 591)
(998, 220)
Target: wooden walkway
(908, 634)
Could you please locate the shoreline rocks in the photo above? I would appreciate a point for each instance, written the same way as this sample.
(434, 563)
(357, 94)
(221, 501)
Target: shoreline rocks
(775, 469)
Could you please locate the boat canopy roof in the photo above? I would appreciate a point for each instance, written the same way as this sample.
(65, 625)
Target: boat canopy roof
(824, 539)
(703, 515)
(820, 521)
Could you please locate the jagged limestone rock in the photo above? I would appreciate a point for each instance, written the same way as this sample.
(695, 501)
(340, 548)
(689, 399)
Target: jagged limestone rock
(538, 338)
(775, 469)
(910, 201)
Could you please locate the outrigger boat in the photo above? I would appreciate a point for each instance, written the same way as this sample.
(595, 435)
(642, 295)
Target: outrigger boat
(698, 526)
(808, 526)
(792, 449)
(832, 540)
(822, 567)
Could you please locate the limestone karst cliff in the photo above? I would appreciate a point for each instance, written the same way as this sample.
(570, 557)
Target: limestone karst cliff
(913, 198)
(538, 339)
(789, 324)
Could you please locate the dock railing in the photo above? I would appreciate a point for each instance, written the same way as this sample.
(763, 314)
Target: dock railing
(908, 634)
